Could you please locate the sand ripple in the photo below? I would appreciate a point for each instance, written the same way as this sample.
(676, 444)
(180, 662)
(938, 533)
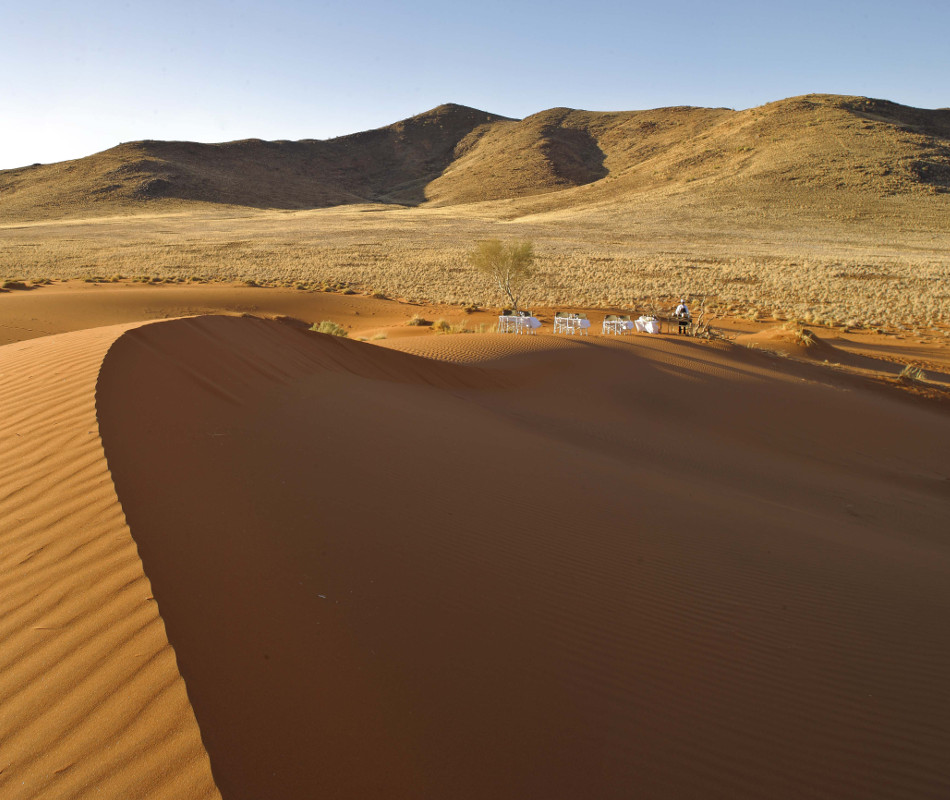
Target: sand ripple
(91, 702)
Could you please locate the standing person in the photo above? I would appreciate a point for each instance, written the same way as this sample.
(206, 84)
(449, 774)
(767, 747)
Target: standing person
(682, 314)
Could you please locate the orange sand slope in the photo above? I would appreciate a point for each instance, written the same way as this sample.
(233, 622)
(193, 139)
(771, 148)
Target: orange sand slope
(69, 306)
(528, 566)
(91, 701)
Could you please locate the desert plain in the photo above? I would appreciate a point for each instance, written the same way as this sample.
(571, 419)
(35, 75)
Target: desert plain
(243, 559)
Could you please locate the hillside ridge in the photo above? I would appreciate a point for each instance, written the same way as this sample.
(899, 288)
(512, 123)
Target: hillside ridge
(855, 147)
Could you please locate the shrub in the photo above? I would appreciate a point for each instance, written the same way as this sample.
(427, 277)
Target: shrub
(913, 373)
(378, 336)
(441, 326)
(13, 285)
(509, 266)
(803, 336)
(329, 327)
(417, 320)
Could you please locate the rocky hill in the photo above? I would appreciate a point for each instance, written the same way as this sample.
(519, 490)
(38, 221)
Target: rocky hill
(815, 151)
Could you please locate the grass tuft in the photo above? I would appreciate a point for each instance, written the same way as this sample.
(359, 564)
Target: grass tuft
(329, 327)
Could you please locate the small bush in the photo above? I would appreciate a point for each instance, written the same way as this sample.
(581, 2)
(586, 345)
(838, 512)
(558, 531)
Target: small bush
(377, 337)
(13, 285)
(803, 336)
(470, 308)
(348, 290)
(913, 373)
(379, 295)
(441, 326)
(330, 327)
(417, 320)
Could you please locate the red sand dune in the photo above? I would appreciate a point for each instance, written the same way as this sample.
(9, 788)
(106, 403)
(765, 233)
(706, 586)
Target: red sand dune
(648, 567)
(91, 700)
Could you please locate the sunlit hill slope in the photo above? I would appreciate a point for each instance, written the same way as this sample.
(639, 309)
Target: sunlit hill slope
(800, 152)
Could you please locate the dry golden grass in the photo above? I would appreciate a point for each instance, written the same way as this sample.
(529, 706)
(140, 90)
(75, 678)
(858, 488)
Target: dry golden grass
(847, 277)
(827, 210)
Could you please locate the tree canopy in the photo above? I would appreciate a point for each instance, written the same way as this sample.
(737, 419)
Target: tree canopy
(509, 265)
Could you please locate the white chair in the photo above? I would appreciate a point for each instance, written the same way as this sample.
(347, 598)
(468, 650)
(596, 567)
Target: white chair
(525, 323)
(562, 322)
(566, 322)
(611, 324)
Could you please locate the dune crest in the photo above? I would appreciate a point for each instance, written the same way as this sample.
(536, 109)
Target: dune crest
(91, 701)
(798, 342)
(593, 569)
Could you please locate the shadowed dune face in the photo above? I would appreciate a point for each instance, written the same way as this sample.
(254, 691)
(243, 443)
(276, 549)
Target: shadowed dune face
(588, 569)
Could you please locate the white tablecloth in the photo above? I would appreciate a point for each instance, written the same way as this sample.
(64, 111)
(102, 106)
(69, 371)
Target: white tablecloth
(648, 325)
(515, 323)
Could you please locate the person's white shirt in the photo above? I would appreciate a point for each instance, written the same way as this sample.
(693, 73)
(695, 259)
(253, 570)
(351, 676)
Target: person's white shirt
(681, 310)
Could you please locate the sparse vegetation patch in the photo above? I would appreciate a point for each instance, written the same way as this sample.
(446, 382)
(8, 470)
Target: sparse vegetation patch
(329, 327)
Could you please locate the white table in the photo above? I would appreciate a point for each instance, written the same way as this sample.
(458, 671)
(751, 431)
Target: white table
(647, 325)
(617, 326)
(515, 323)
(571, 324)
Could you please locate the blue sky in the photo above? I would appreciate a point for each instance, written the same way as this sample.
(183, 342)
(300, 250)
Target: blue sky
(76, 78)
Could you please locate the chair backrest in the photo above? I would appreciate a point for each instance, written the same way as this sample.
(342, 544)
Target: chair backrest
(581, 315)
(624, 317)
(612, 318)
(561, 314)
(506, 312)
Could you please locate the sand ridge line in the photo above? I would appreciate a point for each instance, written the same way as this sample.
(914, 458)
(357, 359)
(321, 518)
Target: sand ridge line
(90, 695)
(513, 591)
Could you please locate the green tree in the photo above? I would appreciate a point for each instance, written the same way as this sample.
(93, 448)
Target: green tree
(509, 265)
